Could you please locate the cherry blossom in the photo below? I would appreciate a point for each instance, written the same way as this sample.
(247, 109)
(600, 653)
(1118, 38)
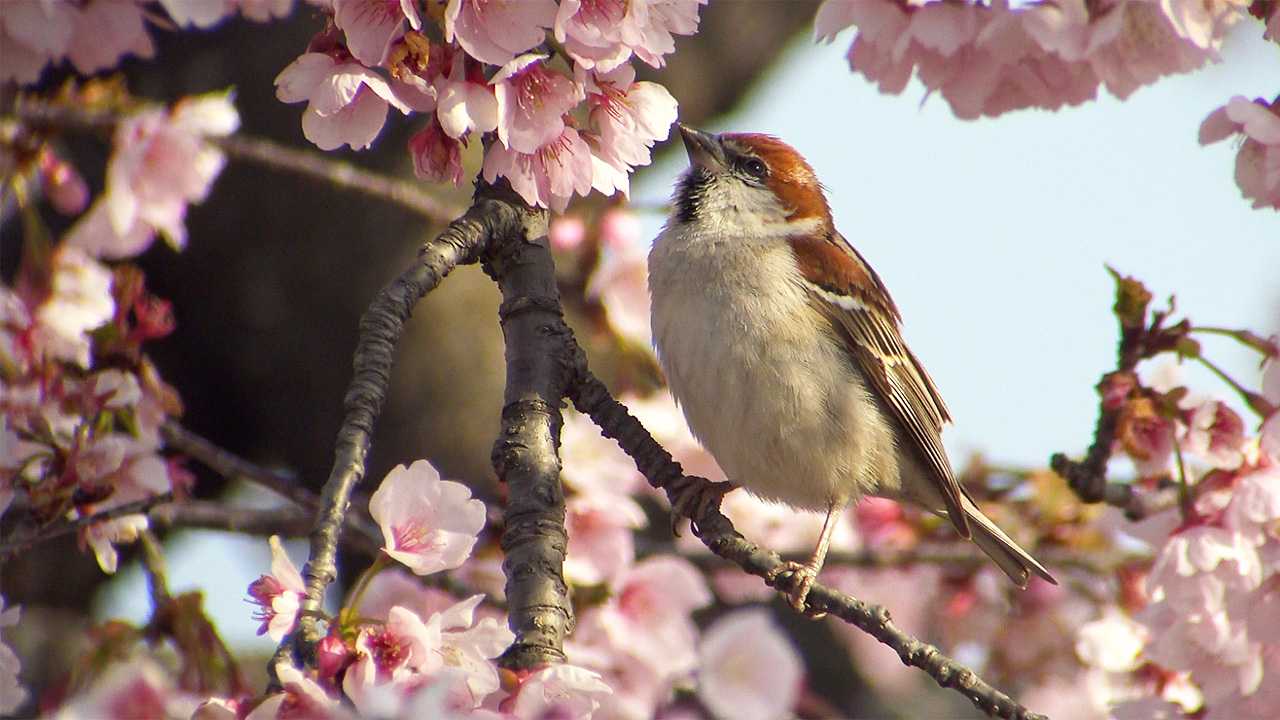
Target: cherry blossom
(748, 668)
(161, 163)
(591, 32)
(436, 156)
(559, 691)
(631, 117)
(1258, 160)
(494, 31)
(466, 101)
(532, 101)
(548, 177)
(428, 524)
(12, 694)
(278, 595)
(346, 102)
(1216, 434)
(370, 26)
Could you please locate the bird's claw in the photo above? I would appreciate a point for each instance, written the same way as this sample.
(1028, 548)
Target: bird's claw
(804, 576)
(692, 500)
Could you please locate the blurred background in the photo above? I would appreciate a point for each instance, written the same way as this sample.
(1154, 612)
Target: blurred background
(992, 235)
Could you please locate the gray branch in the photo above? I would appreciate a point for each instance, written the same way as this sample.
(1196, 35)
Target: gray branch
(526, 455)
(591, 397)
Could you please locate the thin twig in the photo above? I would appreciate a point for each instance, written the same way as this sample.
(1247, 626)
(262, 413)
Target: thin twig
(591, 397)
(13, 545)
(232, 466)
(407, 194)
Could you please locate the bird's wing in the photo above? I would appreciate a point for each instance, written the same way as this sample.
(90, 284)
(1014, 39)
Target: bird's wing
(844, 288)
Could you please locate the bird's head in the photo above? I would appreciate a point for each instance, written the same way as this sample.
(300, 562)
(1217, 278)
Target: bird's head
(748, 183)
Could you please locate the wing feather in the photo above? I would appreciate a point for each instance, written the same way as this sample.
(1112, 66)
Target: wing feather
(860, 309)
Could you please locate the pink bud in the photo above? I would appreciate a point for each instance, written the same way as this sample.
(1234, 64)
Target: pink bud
(332, 656)
(63, 185)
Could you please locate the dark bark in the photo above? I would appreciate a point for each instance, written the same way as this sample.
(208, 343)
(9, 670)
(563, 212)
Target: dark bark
(526, 454)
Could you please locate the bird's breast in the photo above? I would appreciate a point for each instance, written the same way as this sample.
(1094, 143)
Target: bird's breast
(762, 382)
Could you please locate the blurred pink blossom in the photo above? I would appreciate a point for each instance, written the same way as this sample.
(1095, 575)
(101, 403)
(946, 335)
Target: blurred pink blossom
(302, 697)
(494, 31)
(748, 669)
(32, 34)
(601, 536)
(12, 694)
(650, 612)
(137, 688)
(428, 524)
(559, 691)
(1215, 433)
(278, 595)
(346, 102)
(1134, 44)
(161, 162)
(80, 301)
(532, 101)
(567, 232)
(1204, 22)
(203, 14)
(548, 177)
(370, 26)
(1258, 160)
(621, 283)
(105, 32)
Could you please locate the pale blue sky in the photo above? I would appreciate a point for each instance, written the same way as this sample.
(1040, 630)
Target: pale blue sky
(991, 235)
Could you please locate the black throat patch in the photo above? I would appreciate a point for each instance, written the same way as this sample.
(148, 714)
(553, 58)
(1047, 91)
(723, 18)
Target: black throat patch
(690, 190)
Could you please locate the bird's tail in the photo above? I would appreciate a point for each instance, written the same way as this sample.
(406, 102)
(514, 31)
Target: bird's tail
(1012, 559)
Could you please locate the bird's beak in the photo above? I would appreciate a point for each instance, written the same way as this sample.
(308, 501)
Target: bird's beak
(705, 150)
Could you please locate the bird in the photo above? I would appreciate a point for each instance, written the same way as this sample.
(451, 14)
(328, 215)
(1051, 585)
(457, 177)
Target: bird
(784, 351)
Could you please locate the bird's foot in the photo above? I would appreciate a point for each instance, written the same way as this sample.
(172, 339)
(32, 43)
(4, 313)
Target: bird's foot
(693, 498)
(804, 575)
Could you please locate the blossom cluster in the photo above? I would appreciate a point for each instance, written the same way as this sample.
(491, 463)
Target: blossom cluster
(988, 59)
(1196, 632)
(561, 120)
(1258, 159)
(96, 35)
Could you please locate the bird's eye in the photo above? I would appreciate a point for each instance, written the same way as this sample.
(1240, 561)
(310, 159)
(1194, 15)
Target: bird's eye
(755, 168)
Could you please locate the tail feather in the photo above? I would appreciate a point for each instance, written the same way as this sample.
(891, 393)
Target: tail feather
(1012, 559)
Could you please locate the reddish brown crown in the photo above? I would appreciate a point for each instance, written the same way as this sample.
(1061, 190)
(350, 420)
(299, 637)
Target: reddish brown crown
(790, 176)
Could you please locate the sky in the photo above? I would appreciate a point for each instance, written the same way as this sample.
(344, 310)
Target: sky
(992, 236)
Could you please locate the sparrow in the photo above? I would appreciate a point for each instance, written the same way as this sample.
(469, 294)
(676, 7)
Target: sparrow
(784, 351)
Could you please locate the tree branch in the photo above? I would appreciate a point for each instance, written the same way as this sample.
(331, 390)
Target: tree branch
(591, 397)
(526, 453)
(12, 545)
(380, 329)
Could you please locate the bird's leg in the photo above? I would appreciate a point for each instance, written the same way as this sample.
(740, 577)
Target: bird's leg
(807, 573)
(692, 499)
